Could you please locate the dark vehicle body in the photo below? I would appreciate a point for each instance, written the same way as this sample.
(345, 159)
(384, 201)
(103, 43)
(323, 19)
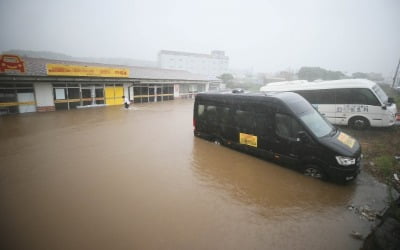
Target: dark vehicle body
(282, 127)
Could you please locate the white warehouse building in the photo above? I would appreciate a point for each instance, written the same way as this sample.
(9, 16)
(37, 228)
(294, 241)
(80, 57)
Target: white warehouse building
(210, 65)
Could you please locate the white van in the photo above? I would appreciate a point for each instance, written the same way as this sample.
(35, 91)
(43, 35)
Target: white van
(359, 103)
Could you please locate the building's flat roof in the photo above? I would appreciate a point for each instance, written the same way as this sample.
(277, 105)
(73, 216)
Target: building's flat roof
(180, 53)
(37, 67)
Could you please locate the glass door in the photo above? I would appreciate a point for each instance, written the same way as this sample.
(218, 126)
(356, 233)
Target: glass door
(152, 91)
(88, 95)
(158, 94)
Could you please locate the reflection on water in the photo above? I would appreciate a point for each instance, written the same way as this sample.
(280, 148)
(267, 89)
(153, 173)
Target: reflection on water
(273, 189)
(109, 178)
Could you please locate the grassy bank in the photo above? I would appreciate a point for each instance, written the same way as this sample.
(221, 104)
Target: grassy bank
(380, 146)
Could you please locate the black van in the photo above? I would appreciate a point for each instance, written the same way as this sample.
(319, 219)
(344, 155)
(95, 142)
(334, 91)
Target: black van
(279, 126)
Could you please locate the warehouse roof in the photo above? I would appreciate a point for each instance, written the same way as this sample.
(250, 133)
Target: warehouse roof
(38, 67)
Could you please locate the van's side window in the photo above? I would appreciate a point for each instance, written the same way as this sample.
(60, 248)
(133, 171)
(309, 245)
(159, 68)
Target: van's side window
(310, 96)
(364, 96)
(356, 96)
(325, 96)
(286, 126)
(244, 119)
(343, 96)
(211, 112)
(263, 120)
(224, 114)
(200, 110)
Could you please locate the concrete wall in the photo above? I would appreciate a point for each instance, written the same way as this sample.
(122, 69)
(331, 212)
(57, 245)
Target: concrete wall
(44, 97)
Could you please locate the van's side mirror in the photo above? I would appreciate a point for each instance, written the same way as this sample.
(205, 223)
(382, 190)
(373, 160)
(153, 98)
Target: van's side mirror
(303, 137)
(390, 100)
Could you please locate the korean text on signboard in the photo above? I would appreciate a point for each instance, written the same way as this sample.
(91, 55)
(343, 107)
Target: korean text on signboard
(247, 139)
(77, 70)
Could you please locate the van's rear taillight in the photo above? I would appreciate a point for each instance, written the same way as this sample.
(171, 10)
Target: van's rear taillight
(194, 123)
(398, 117)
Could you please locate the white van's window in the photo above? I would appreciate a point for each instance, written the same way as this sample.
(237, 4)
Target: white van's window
(365, 96)
(356, 96)
(326, 96)
(380, 93)
(310, 96)
(318, 125)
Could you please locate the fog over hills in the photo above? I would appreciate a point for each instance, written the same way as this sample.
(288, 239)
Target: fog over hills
(64, 57)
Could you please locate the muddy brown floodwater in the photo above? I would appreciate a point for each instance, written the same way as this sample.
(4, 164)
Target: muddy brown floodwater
(108, 178)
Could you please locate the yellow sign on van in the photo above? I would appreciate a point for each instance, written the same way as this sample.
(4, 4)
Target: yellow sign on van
(247, 139)
(78, 70)
(346, 139)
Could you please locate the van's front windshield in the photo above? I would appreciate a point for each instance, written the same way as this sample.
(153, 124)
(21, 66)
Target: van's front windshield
(316, 123)
(381, 94)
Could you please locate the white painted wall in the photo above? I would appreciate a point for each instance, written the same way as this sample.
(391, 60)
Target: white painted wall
(26, 97)
(176, 90)
(126, 89)
(43, 94)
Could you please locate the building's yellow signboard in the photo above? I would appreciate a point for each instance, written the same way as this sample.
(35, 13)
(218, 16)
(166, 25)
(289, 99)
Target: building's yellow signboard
(78, 70)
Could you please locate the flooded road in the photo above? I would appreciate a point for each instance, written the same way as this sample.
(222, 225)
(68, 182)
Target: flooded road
(108, 178)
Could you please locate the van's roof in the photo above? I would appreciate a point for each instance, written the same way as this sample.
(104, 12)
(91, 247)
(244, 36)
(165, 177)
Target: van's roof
(345, 83)
(295, 102)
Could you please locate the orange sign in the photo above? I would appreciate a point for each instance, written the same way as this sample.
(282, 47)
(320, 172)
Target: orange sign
(11, 62)
(77, 70)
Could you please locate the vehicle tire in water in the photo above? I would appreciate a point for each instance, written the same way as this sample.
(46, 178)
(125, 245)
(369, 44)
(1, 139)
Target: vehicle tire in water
(313, 171)
(359, 123)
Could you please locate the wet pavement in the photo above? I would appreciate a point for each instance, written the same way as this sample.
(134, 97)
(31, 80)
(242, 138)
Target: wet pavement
(109, 178)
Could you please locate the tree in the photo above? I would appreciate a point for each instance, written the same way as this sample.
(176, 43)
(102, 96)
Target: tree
(227, 79)
(359, 75)
(334, 75)
(376, 77)
(311, 73)
(288, 75)
(315, 73)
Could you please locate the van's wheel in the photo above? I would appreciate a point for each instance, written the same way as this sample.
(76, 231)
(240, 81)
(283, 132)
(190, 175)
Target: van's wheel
(359, 123)
(216, 141)
(314, 171)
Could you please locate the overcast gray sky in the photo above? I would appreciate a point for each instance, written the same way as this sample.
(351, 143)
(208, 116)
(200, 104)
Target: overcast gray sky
(266, 35)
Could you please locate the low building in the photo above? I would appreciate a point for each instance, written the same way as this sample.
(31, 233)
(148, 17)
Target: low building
(36, 84)
(211, 65)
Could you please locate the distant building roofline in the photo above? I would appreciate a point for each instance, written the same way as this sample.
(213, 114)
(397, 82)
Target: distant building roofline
(214, 54)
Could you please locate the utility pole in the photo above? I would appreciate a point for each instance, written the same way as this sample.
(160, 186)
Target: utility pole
(396, 75)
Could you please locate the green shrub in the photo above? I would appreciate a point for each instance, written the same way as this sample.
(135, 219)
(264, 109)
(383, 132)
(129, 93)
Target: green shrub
(385, 165)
